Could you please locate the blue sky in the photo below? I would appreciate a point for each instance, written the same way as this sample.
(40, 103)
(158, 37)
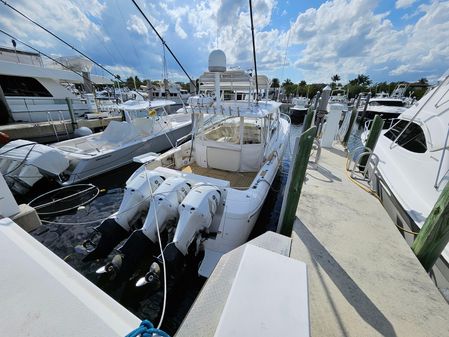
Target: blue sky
(301, 40)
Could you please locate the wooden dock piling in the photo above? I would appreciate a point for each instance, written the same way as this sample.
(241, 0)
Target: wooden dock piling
(351, 121)
(374, 133)
(72, 115)
(362, 118)
(296, 179)
(308, 120)
(434, 234)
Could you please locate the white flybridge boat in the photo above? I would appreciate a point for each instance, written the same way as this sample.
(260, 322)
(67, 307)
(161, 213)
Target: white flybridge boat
(299, 109)
(203, 197)
(24, 163)
(413, 164)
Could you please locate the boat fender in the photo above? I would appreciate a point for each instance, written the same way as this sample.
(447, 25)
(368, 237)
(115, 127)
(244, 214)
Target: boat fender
(4, 138)
(195, 215)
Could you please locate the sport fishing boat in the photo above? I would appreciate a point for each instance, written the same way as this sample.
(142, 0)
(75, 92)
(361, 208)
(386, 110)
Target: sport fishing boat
(201, 199)
(413, 164)
(299, 109)
(23, 163)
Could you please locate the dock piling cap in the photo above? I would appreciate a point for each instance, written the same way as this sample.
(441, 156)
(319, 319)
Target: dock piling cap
(217, 61)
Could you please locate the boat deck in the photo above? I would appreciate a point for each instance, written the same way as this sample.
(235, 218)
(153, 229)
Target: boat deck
(364, 280)
(237, 180)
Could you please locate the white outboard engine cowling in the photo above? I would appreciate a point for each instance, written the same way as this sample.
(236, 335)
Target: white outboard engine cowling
(165, 206)
(133, 202)
(142, 243)
(195, 214)
(117, 227)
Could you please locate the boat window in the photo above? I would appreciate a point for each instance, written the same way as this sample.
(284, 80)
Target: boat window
(22, 86)
(387, 103)
(412, 138)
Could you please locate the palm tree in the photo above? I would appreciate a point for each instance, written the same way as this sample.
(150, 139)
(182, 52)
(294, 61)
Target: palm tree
(335, 78)
(275, 83)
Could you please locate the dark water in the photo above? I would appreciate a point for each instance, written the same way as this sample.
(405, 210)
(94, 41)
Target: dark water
(62, 238)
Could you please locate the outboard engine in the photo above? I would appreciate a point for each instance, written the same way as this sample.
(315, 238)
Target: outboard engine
(118, 226)
(143, 242)
(195, 215)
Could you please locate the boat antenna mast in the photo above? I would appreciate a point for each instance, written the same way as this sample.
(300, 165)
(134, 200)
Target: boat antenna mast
(164, 43)
(254, 48)
(60, 39)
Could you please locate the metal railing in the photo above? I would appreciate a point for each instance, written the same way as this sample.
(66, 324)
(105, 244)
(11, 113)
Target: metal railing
(373, 159)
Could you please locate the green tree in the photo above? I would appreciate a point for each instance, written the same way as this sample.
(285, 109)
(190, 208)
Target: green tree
(335, 78)
(287, 82)
(275, 83)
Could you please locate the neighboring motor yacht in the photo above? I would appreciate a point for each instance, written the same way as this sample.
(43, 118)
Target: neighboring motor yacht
(413, 162)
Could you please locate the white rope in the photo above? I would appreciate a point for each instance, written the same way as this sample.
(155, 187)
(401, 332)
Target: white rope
(162, 252)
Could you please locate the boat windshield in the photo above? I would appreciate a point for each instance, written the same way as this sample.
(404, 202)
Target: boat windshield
(386, 103)
(412, 137)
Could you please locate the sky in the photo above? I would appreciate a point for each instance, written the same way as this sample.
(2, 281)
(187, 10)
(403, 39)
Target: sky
(301, 40)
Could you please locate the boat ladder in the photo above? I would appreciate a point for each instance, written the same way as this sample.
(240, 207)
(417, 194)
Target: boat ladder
(54, 124)
(359, 171)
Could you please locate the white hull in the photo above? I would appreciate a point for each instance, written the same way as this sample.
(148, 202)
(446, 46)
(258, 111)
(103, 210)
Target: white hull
(88, 168)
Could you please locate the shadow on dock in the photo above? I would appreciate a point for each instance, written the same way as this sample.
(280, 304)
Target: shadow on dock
(348, 288)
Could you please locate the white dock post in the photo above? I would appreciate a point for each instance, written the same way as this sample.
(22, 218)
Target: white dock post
(331, 126)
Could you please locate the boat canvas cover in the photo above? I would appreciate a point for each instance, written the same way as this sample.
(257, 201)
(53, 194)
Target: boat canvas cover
(43, 157)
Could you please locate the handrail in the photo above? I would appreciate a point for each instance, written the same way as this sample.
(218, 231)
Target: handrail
(437, 184)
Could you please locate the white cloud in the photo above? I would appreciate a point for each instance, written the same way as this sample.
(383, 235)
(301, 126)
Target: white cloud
(404, 3)
(122, 70)
(58, 16)
(181, 32)
(137, 25)
(348, 37)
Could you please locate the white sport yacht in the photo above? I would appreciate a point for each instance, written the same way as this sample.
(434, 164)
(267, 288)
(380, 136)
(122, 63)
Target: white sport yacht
(201, 199)
(413, 162)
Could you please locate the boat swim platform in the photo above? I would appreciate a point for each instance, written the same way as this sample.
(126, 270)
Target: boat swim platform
(42, 296)
(239, 180)
(44, 131)
(364, 280)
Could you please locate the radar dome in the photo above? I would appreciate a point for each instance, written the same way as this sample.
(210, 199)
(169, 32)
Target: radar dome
(217, 61)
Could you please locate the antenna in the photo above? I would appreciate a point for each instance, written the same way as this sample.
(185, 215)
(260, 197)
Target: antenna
(163, 42)
(254, 48)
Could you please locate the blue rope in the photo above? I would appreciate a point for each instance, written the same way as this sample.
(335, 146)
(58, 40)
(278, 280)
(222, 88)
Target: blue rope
(146, 329)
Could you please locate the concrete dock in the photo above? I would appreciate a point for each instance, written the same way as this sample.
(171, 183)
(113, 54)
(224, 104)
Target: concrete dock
(42, 296)
(364, 280)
